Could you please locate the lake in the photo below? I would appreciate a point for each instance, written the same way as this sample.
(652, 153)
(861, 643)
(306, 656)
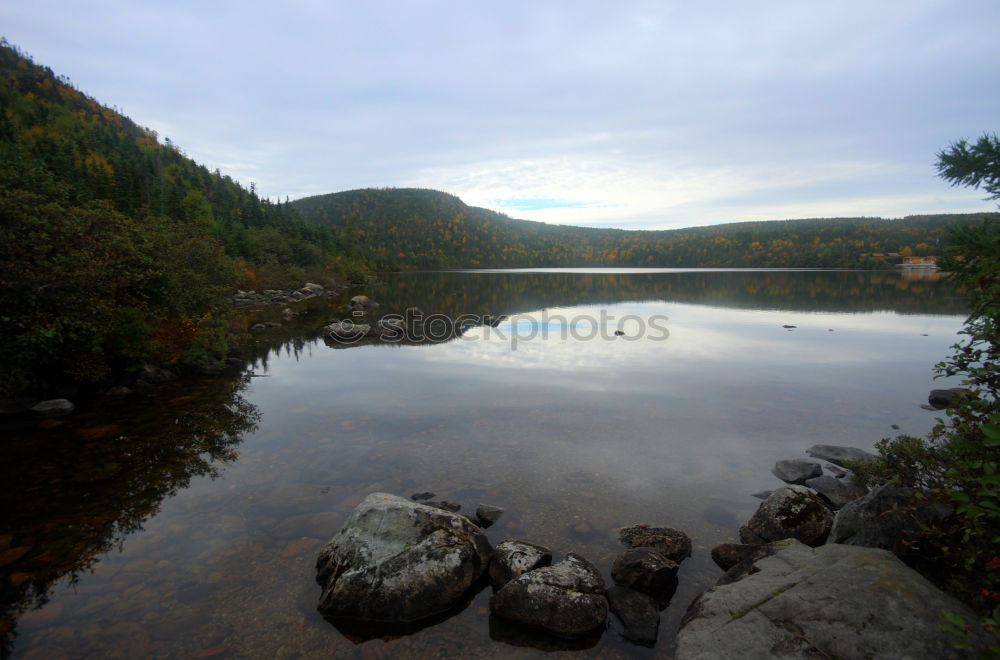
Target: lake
(186, 523)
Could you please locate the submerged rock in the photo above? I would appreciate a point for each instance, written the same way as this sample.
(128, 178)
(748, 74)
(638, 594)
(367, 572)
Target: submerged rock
(833, 601)
(673, 543)
(638, 612)
(512, 558)
(397, 560)
(790, 512)
(566, 599)
(487, 514)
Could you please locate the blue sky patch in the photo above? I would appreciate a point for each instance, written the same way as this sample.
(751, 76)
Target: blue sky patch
(536, 204)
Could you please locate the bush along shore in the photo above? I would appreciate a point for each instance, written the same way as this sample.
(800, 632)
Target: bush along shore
(216, 357)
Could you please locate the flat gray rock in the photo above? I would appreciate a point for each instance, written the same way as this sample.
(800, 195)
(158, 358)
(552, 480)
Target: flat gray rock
(837, 454)
(837, 492)
(834, 601)
(796, 471)
(54, 407)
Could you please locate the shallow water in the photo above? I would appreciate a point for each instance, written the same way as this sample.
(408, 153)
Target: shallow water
(186, 524)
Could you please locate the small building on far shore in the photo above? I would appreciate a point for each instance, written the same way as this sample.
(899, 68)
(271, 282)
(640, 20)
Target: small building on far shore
(919, 262)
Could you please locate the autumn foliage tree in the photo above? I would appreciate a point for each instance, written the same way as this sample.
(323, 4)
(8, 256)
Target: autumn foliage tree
(114, 246)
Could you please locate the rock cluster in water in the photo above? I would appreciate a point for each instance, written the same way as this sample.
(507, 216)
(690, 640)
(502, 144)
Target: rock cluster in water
(283, 296)
(397, 560)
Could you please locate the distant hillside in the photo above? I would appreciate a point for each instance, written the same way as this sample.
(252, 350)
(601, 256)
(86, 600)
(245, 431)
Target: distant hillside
(417, 228)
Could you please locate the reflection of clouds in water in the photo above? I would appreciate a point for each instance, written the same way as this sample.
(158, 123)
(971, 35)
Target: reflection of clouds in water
(707, 410)
(696, 335)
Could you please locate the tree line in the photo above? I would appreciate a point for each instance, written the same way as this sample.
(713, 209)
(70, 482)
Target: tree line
(410, 228)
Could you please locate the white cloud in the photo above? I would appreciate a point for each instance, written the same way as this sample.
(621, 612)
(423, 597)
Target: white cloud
(651, 114)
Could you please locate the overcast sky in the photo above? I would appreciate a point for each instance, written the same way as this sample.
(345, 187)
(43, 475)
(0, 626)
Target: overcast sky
(629, 114)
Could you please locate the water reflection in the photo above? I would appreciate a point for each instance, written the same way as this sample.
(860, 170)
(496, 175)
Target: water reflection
(73, 493)
(506, 292)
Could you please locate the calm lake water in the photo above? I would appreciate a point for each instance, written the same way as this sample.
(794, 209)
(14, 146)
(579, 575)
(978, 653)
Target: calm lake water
(186, 524)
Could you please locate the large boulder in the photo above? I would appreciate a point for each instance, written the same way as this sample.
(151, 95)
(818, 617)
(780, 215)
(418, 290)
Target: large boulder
(566, 599)
(398, 560)
(885, 517)
(792, 512)
(834, 601)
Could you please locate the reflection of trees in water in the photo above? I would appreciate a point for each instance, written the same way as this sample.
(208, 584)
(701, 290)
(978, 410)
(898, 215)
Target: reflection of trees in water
(455, 293)
(452, 294)
(74, 493)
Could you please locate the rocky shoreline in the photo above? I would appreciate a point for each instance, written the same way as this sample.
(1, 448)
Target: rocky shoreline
(815, 575)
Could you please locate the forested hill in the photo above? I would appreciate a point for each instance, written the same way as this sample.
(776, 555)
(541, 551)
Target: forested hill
(418, 228)
(115, 247)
